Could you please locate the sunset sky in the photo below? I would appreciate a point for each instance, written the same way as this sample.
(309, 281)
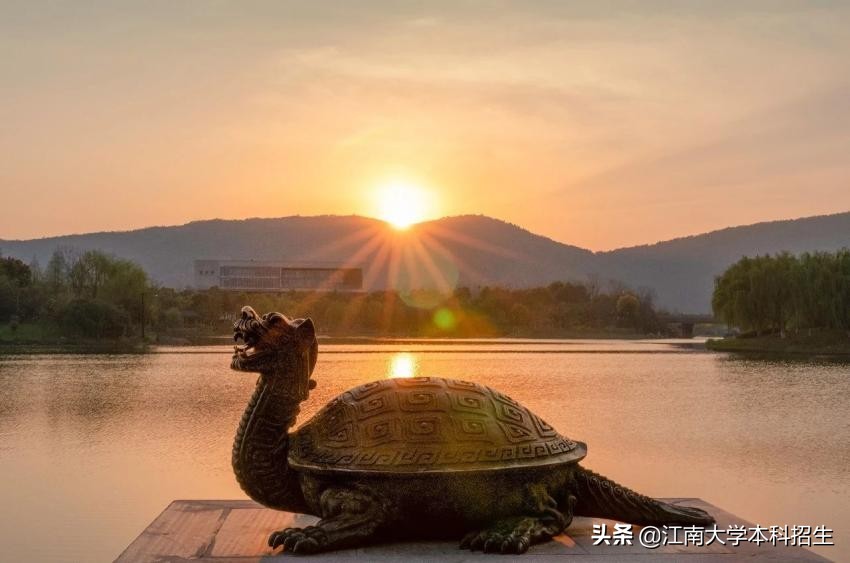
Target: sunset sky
(597, 124)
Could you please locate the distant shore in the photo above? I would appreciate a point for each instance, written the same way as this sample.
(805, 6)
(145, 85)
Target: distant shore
(19, 348)
(825, 343)
(35, 339)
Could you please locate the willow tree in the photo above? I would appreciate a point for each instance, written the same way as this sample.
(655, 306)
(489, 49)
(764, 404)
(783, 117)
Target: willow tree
(782, 292)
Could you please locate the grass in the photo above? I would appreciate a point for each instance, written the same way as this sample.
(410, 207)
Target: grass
(39, 338)
(818, 342)
(29, 333)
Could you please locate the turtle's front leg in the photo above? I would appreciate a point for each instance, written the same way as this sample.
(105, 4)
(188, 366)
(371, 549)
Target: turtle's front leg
(349, 518)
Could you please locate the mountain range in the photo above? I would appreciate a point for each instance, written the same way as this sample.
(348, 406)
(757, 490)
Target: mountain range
(468, 250)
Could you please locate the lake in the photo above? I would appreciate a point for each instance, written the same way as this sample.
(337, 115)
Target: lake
(93, 447)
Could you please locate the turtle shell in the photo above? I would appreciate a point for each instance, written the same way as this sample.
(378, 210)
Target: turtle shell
(427, 424)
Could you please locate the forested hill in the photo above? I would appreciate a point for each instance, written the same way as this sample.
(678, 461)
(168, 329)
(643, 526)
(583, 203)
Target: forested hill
(466, 250)
(682, 270)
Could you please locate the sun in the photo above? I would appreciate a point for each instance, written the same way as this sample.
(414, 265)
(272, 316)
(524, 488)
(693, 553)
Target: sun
(402, 203)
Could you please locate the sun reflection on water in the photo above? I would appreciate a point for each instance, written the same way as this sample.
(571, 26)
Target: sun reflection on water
(402, 364)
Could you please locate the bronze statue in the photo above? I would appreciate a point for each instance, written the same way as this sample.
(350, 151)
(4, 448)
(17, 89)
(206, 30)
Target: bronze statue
(411, 458)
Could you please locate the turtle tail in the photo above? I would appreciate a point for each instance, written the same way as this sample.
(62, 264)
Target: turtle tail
(600, 497)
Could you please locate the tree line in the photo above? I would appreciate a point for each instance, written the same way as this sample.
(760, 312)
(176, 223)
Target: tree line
(86, 294)
(94, 295)
(561, 308)
(783, 292)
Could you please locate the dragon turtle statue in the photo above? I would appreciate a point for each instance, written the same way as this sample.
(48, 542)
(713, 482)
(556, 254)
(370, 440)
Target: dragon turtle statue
(411, 458)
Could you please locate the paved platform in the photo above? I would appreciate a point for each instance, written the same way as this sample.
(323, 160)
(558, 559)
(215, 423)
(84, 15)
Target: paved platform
(236, 531)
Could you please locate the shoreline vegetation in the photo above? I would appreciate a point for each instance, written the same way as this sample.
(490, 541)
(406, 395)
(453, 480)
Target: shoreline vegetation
(816, 343)
(91, 300)
(786, 304)
(94, 303)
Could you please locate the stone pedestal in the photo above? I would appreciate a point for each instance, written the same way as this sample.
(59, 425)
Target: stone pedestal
(237, 530)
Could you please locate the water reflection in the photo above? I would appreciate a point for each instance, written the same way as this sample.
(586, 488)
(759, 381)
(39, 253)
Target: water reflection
(402, 364)
(93, 448)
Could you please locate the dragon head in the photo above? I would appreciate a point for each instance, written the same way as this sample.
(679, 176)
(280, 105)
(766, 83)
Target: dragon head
(276, 346)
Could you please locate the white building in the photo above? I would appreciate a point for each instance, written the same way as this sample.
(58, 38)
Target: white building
(259, 275)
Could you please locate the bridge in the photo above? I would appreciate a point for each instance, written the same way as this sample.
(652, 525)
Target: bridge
(682, 325)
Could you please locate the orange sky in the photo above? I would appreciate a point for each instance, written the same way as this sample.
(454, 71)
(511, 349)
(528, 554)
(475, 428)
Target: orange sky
(602, 126)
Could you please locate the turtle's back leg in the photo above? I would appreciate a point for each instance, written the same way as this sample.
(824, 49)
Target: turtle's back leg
(350, 517)
(516, 534)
